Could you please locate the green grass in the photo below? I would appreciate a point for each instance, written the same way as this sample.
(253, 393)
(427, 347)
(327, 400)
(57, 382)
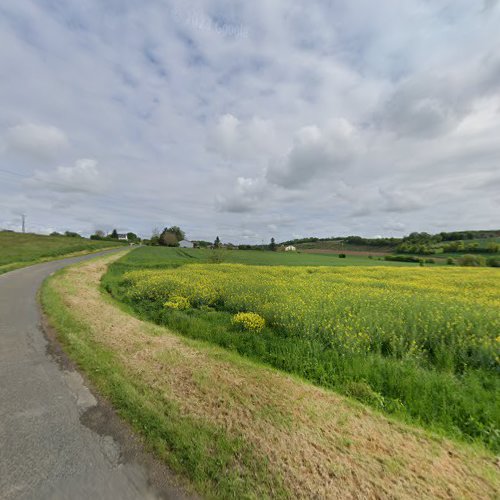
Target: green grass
(461, 403)
(217, 465)
(483, 242)
(456, 255)
(158, 257)
(23, 249)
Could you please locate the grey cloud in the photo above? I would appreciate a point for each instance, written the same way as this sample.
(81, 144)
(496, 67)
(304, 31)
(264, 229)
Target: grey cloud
(489, 5)
(434, 103)
(396, 200)
(424, 108)
(234, 204)
(394, 226)
(361, 211)
(313, 153)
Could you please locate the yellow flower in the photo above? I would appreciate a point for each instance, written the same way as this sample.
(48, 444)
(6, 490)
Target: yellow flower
(249, 321)
(177, 302)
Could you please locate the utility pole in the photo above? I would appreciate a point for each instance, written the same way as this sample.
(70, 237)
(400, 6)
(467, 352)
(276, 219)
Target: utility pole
(23, 223)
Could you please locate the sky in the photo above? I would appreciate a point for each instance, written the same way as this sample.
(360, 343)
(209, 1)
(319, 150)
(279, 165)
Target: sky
(250, 120)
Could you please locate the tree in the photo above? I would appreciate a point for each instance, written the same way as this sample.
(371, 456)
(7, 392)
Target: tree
(171, 236)
(168, 239)
(71, 234)
(98, 235)
(217, 242)
(179, 233)
(114, 234)
(272, 246)
(155, 237)
(202, 243)
(472, 260)
(493, 247)
(133, 237)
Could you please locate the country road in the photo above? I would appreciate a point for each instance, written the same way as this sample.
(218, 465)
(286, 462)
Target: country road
(53, 435)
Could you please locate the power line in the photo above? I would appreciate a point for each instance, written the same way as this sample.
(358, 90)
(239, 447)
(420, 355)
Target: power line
(104, 197)
(12, 173)
(138, 209)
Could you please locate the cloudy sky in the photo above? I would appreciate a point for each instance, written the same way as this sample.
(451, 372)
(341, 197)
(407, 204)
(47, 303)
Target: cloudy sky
(250, 119)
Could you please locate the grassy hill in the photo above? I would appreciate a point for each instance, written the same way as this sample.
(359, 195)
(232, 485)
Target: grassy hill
(416, 246)
(338, 246)
(23, 249)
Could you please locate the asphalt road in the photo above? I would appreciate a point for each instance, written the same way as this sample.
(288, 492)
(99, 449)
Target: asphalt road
(54, 440)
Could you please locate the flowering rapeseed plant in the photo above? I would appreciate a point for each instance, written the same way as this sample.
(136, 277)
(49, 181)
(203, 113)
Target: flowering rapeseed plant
(445, 317)
(249, 321)
(177, 302)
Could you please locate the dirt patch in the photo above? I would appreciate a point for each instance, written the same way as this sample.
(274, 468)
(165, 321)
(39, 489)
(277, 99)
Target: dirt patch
(321, 444)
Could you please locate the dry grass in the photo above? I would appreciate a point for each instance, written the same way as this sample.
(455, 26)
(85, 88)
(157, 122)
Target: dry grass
(321, 444)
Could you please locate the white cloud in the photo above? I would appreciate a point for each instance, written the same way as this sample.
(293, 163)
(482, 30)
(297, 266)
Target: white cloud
(224, 118)
(83, 177)
(234, 139)
(246, 196)
(41, 142)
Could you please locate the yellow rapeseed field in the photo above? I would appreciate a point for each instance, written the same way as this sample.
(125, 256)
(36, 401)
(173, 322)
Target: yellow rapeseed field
(445, 316)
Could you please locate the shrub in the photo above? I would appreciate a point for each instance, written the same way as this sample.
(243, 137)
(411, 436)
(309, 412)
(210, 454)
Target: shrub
(472, 260)
(249, 321)
(493, 262)
(430, 261)
(362, 391)
(450, 261)
(217, 256)
(342, 255)
(401, 258)
(177, 302)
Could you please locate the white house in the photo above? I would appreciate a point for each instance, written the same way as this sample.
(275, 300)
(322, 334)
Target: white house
(186, 244)
(290, 248)
(122, 236)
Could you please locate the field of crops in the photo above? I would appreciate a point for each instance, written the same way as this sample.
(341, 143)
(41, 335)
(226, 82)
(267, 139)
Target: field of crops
(420, 343)
(164, 256)
(431, 316)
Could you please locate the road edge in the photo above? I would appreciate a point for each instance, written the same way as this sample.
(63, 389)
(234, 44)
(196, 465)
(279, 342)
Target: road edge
(104, 419)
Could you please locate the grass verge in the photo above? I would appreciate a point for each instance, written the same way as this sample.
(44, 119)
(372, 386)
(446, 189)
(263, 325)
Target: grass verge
(25, 249)
(18, 265)
(218, 465)
(237, 429)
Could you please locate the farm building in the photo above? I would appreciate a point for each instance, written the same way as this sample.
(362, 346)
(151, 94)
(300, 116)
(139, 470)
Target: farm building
(122, 236)
(186, 244)
(290, 248)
